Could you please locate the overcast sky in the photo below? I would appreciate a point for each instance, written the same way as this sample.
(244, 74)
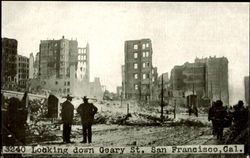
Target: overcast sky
(179, 33)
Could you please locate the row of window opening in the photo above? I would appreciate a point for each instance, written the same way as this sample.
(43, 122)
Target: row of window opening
(144, 76)
(144, 54)
(144, 46)
(144, 65)
(82, 57)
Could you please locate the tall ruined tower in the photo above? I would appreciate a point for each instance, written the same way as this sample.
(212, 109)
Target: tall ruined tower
(139, 71)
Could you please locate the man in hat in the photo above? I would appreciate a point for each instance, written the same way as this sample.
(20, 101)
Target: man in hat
(87, 111)
(67, 118)
(211, 116)
(220, 114)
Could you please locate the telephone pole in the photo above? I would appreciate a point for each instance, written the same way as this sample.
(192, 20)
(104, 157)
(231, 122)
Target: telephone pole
(127, 109)
(121, 98)
(162, 104)
(174, 108)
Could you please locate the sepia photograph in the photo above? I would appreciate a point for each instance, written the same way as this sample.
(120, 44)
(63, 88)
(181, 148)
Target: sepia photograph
(125, 79)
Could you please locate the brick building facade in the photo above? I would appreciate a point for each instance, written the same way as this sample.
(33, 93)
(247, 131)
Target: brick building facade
(22, 71)
(140, 74)
(56, 57)
(63, 68)
(206, 78)
(8, 63)
(186, 80)
(216, 78)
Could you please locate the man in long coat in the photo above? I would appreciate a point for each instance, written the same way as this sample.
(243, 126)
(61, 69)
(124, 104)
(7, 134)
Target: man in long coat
(67, 118)
(220, 114)
(87, 111)
(211, 116)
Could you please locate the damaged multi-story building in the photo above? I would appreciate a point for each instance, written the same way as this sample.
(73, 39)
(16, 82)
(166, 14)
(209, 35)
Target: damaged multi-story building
(63, 68)
(8, 63)
(161, 88)
(207, 78)
(83, 63)
(187, 79)
(216, 78)
(56, 57)
(123, 82)
(140, 74)
(36, 66)
(31, 66)
(22, 71)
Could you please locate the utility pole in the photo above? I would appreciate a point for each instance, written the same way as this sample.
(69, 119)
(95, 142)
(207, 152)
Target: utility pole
(193, 79)
(212, 92)
(174, 108)
(127, 109)
(162, 97)
(121, 98)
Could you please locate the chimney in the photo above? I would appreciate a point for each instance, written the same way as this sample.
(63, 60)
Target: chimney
(62, 37)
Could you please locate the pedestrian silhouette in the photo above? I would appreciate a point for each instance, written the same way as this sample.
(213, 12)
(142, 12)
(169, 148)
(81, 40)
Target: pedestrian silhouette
(87, 111)
(67, 118)
(240, 116)
(211, 116)
(220, 114)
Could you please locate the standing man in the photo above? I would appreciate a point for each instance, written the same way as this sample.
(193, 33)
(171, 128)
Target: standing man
(211, 116)
(87, 111)
(240, 116)
(220, 114)
(67, 118)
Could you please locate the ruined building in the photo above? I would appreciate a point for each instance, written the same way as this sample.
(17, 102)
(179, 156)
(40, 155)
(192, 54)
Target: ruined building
(186, 80)
(56, 57)
(83, 63)
(119, 92)
(63, 68)
(31, 66)
(22, 71)
(140, 74)
(216, 78)
(161, 84)
(206, 78)
(36, 66)
(123, 82)
(8, 63)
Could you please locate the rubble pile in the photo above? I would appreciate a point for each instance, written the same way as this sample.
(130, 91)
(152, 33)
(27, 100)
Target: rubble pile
(42, 131)
(188, 122)
(135, 118)
(38, 109)
(108, 117)
(40, 128)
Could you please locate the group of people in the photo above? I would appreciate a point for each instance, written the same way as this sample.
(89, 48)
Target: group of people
(223, 117)
(86, 110)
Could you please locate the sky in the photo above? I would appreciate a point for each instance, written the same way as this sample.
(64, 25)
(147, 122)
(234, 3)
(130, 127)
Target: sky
(179, 31)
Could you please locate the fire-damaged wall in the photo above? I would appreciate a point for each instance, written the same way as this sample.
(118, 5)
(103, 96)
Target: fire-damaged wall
(8, 63)
(207, 78)
(70, 85)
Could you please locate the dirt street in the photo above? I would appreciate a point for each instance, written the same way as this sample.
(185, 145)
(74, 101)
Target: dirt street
(115, 135)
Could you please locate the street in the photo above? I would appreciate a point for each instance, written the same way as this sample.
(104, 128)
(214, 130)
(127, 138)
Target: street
(122, 135)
